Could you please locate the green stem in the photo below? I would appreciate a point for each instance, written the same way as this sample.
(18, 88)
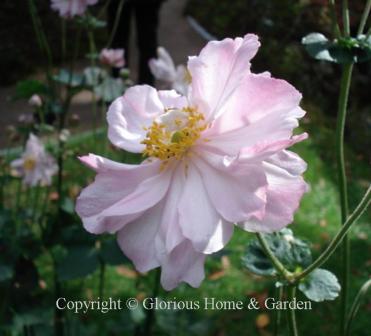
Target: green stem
(291, 312)
(148, 328)
(335, 25)
(354, 309)
(340, 127)
(277, 264)
(277, 312)
(93, 51)
(346, 18)
(102, 273)
(364, 18)
(63, 24)
(116, 23)
(361, 208)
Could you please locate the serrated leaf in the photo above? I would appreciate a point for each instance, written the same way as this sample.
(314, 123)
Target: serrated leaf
(80, 261)
(291, 251)
(320, 285)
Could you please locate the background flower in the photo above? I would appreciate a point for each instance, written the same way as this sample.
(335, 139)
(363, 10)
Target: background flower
(71, 8)
(163, 69)
(112, 57)
(35, 165)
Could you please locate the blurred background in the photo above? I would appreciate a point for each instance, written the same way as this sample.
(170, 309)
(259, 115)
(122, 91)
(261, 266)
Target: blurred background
(26, 299)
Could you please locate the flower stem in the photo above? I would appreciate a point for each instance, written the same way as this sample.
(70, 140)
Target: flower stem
(102, 273)
(342, 110)
(148, 329)
(93, 51)
(115, 24)
(364, 18)
(277, 264)
(291, 312)
(346, 23)
(357, 301)
(361, 208)
(335, 25)
(277, 312)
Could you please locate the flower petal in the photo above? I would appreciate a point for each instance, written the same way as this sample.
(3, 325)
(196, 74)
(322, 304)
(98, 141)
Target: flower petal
(183, 264)
(120, 193)
(172, 99)
(285, 189)
(236, 191)
(199, 221)
(261, 125)
(218, 70)
(130, 114)
(137, 239)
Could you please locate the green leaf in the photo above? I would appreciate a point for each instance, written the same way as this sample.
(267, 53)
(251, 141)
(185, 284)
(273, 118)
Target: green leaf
(67, 78)
(342, 51)
(256, 260)
(25, 89)
(111, 254)
(137, 315)
(80, 261)
(109, 89)
(68, 206)
(320, 285)
(93, 76)
(6, 272)
(91, 22)
(291, 251)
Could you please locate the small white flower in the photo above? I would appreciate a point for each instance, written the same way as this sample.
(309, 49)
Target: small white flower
(163, 69)
(35, 165)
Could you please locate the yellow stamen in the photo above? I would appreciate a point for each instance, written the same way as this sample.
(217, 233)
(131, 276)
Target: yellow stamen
(166, 145)
(29, 164)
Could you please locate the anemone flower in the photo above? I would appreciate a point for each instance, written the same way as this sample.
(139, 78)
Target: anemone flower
(35, 165)
(214, 159)
(163, 69)
(70, 8)
(112, 57)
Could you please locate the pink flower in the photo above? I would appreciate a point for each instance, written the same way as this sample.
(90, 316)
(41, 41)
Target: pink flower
(112, 57)
(163, 69)
(215, 159)
(35, 165)
(35, 101)
(71, 8)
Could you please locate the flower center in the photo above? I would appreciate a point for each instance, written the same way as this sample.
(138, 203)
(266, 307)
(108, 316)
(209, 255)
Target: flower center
(173, 133)
(29, 164)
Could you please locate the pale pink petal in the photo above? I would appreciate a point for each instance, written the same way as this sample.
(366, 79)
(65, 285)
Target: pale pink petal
(120, 193)
(172, 99)
(285, 190)
(170, 230)
(237, 191)
(184, 264)
(219, 70)
(199, 220)
(137, 239)
(129, 115)
(259, 97)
